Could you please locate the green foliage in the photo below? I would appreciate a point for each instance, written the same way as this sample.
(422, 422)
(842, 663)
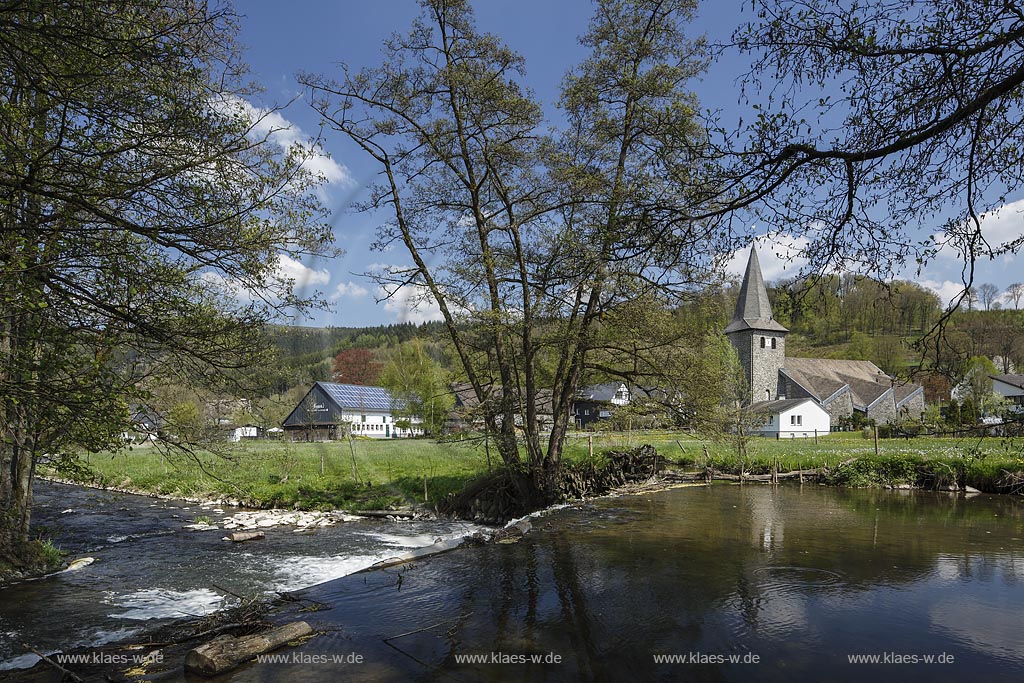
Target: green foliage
(419, 382)
(135, 205)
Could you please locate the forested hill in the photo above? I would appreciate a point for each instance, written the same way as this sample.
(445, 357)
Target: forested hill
(306, 353)
(836, 317)
(860, 318)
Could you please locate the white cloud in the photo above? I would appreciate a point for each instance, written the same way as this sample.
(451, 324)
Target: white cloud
(411, 304)
(280, 131)
(778, 254)
(300, 273)
(948, 290)
(349, 289)
(287, 268)
(999, 227)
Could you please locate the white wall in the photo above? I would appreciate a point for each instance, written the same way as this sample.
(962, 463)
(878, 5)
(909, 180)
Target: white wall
(379, 424)
(798, 422)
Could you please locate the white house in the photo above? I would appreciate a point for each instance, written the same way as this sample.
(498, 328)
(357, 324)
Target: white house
(791, 418)
(1010, 387)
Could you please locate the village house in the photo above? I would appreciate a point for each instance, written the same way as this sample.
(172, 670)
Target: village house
(597, 402)
(329, 410)
(1011, 388)
(841, 387)
(790, 418)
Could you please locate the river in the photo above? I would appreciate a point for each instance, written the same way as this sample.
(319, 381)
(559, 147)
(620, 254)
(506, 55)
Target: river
(794, 583)
(720, 583)
(150, 569)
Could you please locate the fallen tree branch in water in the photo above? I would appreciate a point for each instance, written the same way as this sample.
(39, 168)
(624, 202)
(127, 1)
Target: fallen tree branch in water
(68, 674)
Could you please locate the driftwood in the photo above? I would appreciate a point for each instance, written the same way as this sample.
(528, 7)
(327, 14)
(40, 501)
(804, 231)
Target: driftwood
(404, 514)
(242, 536)
(224, 653)
(710, 475)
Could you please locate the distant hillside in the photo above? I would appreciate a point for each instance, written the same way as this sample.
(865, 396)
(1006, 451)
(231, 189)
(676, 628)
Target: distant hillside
(306, 353)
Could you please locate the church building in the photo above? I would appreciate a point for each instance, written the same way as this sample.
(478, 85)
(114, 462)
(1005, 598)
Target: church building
(840, 387)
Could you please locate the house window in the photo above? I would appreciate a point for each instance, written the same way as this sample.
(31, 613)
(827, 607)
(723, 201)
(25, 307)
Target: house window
(771, 419)
(774, 346)
(762, 342)
(797, 420)
(364, 418)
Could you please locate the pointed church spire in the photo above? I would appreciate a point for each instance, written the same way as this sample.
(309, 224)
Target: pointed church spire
(753, 310)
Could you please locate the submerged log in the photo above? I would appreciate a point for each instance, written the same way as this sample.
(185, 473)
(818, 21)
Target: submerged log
(242, 536)
(224, 653)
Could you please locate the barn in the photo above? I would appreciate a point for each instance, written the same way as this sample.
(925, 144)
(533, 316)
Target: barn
(330, 410)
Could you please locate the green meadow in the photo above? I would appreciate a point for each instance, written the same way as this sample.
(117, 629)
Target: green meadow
(373, 474)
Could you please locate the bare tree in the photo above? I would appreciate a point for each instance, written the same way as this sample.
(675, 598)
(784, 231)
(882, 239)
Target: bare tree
(1015, 293)
(884, 131)
(971, 296)
(988, 294)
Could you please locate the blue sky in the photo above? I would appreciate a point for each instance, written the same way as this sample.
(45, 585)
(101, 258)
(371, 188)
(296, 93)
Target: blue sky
(313, 36)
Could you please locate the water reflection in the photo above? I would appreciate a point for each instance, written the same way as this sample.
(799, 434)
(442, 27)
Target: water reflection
(799, 577)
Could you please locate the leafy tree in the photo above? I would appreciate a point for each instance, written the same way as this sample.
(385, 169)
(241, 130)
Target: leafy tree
(144, 210)
(979, 381)
(526, 244)
(356, 366)
(420, 384)
(953, 417)
(968, 412)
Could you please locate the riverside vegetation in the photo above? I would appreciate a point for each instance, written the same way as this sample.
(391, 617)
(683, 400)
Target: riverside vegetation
(392, 473)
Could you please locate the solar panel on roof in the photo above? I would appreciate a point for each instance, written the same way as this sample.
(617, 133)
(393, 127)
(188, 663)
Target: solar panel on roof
(354, 396)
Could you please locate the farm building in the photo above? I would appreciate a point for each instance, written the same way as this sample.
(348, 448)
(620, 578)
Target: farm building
(329, 411)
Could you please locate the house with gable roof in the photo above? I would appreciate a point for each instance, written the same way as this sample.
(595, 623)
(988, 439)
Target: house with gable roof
(329, 409)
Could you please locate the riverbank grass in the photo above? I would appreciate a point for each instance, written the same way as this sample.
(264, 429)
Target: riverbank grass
(375, 474)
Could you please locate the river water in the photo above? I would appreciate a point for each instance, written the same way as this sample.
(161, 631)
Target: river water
(148, 568)
(751, 583)
(748, 583)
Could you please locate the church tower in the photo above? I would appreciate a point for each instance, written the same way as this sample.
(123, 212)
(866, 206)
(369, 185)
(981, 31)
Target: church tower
(759, 340)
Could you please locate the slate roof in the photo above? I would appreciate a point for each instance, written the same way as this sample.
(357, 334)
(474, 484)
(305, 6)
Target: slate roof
(1012, 380)
(599, 392)
(824, 377)
(753, 309)
(766, 407)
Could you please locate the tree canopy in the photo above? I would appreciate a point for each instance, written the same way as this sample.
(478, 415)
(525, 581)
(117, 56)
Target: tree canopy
(144, 211)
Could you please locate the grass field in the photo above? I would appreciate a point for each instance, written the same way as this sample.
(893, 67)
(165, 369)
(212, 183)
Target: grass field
(388, 472)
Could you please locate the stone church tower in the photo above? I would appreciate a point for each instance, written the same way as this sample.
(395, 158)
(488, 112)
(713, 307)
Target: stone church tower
(759, 340)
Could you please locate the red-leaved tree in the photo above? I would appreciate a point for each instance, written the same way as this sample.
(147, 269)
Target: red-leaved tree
(356, 366)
